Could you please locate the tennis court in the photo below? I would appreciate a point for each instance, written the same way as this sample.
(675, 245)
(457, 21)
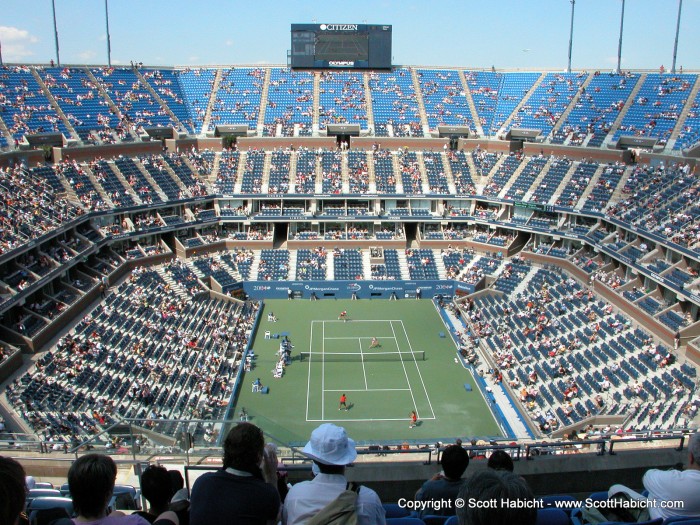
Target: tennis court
(410, 367)
(340, 361)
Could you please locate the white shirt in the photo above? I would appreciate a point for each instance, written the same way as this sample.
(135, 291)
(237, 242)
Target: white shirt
(305, 499)
(673, 485)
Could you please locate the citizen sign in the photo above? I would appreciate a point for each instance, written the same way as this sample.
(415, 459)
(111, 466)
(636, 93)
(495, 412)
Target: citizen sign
(338, 27)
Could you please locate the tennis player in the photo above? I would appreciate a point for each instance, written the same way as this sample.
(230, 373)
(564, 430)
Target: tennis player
(375, 343)
(343, 316)
(343, 402)
(414, 419)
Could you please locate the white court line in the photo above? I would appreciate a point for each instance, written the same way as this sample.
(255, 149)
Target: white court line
(357, 321)
(323, 371)
(308, 380)
(362, 356)
(329, 338)
(364, 419)
(370, 390)
(418, 368)
(405, 372)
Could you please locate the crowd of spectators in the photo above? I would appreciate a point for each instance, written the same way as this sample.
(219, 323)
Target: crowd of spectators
(30, 208)
(143, 372)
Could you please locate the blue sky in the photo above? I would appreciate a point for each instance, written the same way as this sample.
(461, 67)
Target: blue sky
(460, 33)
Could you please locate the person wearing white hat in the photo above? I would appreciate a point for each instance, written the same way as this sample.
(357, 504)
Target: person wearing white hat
(331, 450)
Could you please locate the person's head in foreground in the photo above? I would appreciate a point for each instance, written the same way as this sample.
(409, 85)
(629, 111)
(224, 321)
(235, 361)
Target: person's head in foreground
(330, 448)
(495, 486)
(157, 488)
(91, 480)
(455, 461)
(13, 490)
(243, 449)
(500, 460)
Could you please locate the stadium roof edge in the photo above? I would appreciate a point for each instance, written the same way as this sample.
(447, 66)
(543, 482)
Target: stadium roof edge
(395, 66)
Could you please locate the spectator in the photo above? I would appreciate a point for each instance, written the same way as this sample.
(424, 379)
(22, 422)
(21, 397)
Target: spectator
(240, 493)
(490, 485)
(91, 481)
(672, 485)
(157, 488)
(500, 460)
(180, 492)
(12, 491)
(331, 450)
(445, 485)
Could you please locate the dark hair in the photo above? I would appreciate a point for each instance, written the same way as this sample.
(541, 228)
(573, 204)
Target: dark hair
(156, 486)
(454, 461)
(243, 448)
(91, 482)
(492, 485)
(13, 490)
(330, 469)
(500, 460)
(177, 482)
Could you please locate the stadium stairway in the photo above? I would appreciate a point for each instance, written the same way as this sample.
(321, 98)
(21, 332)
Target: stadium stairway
(265, 183)
(372, 178)
(255, 267)
(506, 125)
(522, 286)
(452, 188)
(345, 172)
(440, 264)
(367, 264)
(564, 116)
(681, 118)
(151, 181)
(210, 106)
(487, 176)
(423, 173)
(100, 189)
(292, 172)
(6, 132)
(617, 192)
(165, 107)
(594, 181)
(330, 265)
(403, 264)
(564, 181)
(397, 170)
(421, 104)
(630, 100)
(263, 103)
(319, 175)
(472, 107)
(103, 93)
(120, 176)
(538, 180)
(292, 263)
(55, 105)
(168, 278)
(239, 174)
(317, 96)
(513, 177)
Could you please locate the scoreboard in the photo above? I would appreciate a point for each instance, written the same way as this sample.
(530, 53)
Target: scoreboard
(349, 46)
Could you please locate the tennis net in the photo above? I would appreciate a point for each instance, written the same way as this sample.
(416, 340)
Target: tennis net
(363, 356)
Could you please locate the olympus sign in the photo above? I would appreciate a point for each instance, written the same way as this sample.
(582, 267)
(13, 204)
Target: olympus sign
(338, 27)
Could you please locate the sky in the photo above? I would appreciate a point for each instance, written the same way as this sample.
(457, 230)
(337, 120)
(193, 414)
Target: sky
(507, 34)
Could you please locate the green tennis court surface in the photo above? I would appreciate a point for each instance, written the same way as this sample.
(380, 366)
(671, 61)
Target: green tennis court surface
(409, 367)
